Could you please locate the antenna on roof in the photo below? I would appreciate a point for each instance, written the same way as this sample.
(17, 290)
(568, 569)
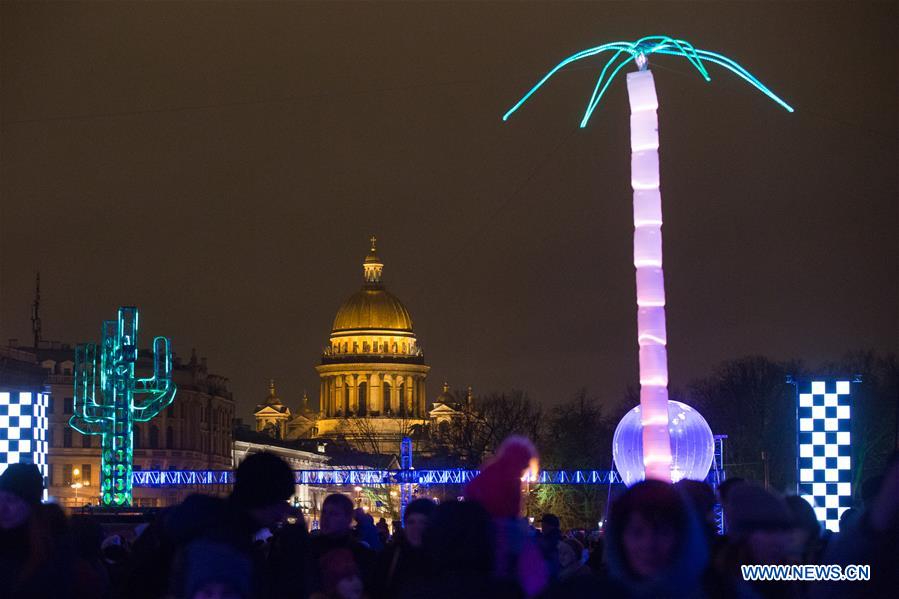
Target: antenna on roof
(36, 311)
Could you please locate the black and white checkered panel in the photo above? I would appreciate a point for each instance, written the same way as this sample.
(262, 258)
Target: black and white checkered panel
(23, 430)
(824, 449)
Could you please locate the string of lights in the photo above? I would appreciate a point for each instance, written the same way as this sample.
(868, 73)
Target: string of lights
(450, 476)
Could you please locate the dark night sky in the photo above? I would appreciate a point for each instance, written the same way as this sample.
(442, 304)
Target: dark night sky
(222, 166)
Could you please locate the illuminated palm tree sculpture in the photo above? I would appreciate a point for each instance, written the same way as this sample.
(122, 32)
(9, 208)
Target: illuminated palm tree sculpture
(651, 328)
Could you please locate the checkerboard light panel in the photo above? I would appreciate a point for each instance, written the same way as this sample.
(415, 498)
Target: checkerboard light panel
(23, 430)
(824, 449)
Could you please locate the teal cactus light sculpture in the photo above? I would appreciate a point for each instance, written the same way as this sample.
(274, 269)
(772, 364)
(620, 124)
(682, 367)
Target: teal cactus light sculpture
(109, 399)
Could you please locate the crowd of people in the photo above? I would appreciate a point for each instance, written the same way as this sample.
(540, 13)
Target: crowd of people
(659, 540)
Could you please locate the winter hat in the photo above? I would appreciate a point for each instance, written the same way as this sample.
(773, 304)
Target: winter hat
(336, 565)
(209, 563)
(422, 506)
(750, 507)
(498, 486)
(262, 479)
(24, 481)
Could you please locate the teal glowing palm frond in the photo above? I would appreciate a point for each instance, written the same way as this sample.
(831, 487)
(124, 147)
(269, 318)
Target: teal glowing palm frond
(626, 52)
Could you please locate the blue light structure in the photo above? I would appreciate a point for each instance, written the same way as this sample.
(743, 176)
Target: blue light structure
(405, 464)
(363, 477)
(638, 51)
(121, 399)
(824, 418)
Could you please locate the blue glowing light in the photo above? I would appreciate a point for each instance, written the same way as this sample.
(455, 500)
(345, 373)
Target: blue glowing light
(447, 476)
(638, 51)
(825, 454)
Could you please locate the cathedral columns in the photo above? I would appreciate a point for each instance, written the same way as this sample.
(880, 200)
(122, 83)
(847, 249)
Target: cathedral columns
(422, 398)
(339, 395)
(354, 394)
(395, 395)
(374, 394)
(407, 400)
(332, 396)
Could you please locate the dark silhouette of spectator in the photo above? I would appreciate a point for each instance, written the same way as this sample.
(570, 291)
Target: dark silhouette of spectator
(548, 541)
(116, 555)
(21, 488)
(37, 551)
(460, 546)
(760, 531)
(498, 489)
(383, 531)
(215, 570)
(336, 532)
(871, 540)
(403, 561)
(702, 498)
(258, 502)
(807, 542)
(849, 519)
(655, 547)
(341, 578)
(571, 564)
(724, 490)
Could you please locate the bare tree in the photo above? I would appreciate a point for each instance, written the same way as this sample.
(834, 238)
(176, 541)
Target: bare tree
(481, 426)
(381, 436)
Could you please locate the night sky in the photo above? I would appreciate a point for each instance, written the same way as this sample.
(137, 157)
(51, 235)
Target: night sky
(222, 166)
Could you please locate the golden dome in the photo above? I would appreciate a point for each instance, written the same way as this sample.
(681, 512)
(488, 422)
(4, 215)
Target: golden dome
(372, 307)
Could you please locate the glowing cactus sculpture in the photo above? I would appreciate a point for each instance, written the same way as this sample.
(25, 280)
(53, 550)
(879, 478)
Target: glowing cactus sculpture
(121, 399)
(651, 326)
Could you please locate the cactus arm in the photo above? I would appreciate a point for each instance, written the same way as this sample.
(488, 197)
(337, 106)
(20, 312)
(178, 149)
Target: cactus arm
(151, 395)
(89, 427)
(155, 404)
(85, 399)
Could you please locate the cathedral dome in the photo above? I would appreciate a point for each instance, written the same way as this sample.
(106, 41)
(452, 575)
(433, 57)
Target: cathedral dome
(373, 307)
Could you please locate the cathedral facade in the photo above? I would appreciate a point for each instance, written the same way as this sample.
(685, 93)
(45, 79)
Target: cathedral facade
(372, 375)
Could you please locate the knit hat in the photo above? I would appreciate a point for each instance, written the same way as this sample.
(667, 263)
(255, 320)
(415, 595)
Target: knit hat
(262, 479)
(498, 486)
(750, 507)
(24, 481)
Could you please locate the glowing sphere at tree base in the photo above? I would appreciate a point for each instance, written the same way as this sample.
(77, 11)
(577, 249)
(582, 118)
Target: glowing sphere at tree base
(692, 444)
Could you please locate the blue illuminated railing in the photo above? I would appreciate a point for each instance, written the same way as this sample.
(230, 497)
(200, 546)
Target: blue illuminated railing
(455, 476)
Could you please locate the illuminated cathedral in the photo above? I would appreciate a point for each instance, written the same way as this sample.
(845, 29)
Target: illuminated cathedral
(372, 375)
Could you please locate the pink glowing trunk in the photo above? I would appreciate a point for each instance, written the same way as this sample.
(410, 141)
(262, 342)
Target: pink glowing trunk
(651, 335)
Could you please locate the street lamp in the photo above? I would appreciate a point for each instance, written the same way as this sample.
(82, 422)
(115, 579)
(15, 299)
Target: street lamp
(77, 483)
